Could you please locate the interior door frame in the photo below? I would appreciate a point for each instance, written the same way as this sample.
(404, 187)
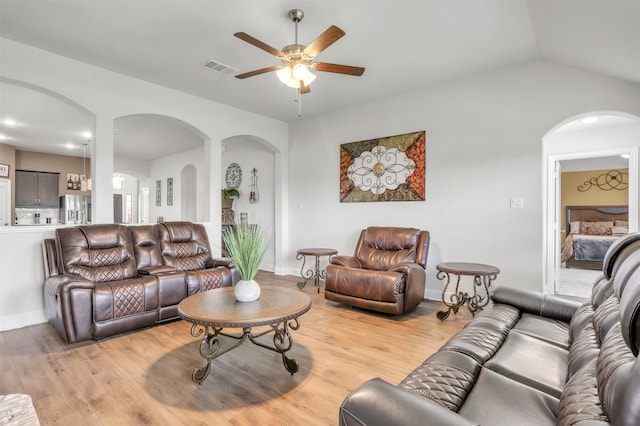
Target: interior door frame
(552, 222)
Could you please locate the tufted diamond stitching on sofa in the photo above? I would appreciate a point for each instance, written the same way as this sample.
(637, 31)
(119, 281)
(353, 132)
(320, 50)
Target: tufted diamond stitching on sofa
(128, 299)
(210, 279)
(614, 352)
(108, 273)
(105, 257)
(442, 383)
(184, 249)
(579, 401)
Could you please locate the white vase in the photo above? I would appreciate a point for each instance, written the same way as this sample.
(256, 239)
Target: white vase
(246, 291)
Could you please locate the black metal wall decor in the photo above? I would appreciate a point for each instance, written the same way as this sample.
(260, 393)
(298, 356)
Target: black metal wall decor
(613, 179)
(254, 196)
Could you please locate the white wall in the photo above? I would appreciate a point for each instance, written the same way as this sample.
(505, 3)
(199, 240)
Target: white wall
(483, 145)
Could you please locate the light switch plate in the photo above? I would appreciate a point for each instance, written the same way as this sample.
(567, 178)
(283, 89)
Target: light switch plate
(516, 202)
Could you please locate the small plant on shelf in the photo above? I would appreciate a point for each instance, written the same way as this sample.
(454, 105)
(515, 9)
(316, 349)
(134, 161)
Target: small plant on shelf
(229, 193)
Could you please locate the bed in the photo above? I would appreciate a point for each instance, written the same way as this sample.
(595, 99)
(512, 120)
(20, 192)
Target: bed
(590, 231)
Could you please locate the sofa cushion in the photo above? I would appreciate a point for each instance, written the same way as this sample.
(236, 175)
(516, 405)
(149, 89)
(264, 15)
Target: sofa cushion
(479, 340)
(533, 362)
(497, 400)
(382, 286)
(550, 330)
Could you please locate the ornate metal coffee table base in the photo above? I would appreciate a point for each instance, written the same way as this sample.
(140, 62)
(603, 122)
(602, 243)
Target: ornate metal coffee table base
(483, 276)
(275, 312)
(210, 347)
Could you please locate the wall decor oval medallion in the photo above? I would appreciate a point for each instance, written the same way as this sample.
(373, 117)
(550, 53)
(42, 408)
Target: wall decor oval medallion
(233, 176)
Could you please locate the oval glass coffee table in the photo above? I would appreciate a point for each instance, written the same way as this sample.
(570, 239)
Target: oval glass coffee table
(212, 311)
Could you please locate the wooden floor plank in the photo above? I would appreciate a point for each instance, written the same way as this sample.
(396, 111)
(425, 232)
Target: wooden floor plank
(144, 377)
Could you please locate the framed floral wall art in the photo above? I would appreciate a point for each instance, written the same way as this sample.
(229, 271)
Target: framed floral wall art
(384, 169)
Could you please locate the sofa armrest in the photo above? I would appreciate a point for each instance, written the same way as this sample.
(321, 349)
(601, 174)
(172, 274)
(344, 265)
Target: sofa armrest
(348, 261)
(57, 284)
(555, 307)
(377, 402)
(220, 261)
(69, 306)
(153, 270)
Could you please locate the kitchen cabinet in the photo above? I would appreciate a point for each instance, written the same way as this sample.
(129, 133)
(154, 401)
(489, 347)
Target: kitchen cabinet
(36, 189)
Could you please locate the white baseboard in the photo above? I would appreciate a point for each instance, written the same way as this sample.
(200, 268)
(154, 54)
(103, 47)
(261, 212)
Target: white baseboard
(433, 295)
(24, 319)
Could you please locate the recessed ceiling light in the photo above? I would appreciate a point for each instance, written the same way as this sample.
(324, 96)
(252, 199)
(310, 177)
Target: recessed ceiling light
(10, 122)
(69, 145)
(624, 155)
(87, 135)
(589, 120)
(4, 137)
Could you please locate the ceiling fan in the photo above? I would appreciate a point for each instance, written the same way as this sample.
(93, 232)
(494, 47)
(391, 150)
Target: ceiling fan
(298, 60)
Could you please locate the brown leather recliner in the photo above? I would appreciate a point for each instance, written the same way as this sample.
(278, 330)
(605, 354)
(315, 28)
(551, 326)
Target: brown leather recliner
(185, 247)
(386, 272)
(100, 292)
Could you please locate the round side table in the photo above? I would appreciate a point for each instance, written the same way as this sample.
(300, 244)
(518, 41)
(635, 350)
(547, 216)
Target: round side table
(483, 275)
(313, 274)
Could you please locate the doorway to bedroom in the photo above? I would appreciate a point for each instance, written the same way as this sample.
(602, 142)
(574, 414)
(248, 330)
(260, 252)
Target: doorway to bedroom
(594, 212)
(591, 196)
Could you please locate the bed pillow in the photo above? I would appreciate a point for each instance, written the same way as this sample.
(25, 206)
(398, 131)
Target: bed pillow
(596, 228)
(622, 223)
(574, 228)
(619, 230)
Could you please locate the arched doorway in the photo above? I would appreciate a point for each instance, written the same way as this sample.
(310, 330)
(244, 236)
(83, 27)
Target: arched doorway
(587, 142)
(160, 151)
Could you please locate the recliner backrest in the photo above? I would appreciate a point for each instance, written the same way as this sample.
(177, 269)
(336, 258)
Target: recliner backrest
(380, 248)
(184, 245)
(99, 253)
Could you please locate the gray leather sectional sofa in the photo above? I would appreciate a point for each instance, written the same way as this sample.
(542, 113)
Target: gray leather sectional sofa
(528, 359)
(102, 280)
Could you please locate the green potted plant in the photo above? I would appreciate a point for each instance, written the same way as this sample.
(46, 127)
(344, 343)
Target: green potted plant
(227, 195)
(247, 245)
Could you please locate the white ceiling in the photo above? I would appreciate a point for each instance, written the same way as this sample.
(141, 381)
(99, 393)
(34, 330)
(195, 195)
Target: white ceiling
(403, 45)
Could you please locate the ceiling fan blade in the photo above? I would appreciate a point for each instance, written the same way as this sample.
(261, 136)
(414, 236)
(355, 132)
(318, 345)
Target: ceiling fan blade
(339, 69)
(303, 89)
(258, 72)
(324, 40)
(259, 44)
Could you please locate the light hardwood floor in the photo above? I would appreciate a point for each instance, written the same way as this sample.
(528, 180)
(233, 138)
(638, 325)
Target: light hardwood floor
(144, 377)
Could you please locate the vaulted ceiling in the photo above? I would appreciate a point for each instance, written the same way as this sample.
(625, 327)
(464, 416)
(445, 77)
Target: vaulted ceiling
(404, 45)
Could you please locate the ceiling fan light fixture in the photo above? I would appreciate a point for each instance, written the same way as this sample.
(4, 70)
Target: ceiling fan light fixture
(300, 71)
(287, 75)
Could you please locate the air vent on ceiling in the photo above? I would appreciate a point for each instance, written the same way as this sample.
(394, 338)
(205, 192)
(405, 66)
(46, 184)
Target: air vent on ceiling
(218, 67)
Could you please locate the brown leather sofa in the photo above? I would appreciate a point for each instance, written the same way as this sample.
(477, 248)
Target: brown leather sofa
(102, 280)
(527, 359)
(386, 272)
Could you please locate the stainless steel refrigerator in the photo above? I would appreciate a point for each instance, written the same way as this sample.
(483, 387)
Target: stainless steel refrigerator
(75, 209)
